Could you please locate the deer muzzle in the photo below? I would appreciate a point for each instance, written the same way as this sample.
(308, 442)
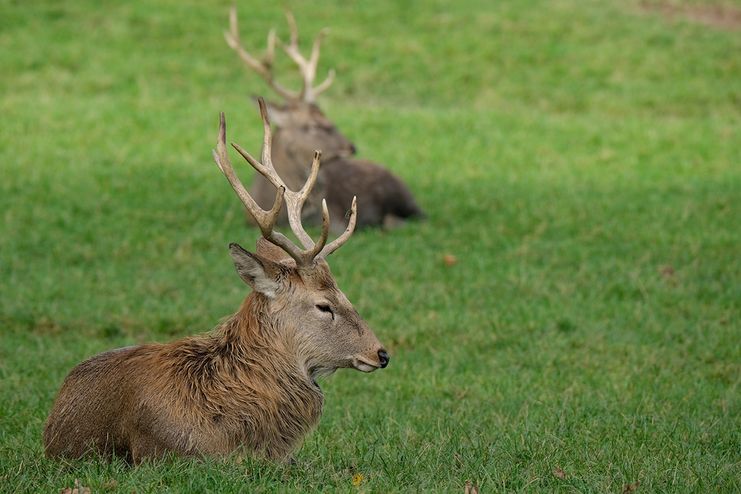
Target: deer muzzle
(364, 364)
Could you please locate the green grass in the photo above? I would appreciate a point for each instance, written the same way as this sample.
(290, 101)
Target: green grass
(581, 159)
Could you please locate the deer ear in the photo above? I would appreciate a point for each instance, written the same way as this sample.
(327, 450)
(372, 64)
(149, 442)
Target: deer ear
(257, 272)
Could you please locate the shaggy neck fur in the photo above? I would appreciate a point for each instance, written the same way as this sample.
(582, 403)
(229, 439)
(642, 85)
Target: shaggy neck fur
(247, 377)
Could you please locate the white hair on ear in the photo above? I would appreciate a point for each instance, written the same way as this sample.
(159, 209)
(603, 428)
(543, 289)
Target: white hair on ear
(266, 287)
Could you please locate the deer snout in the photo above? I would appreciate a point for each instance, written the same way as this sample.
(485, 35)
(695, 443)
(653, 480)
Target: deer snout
(383, 358)
(377, 358)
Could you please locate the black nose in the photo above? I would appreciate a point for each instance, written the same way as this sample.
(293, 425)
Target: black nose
(384, 358)
(353, 149)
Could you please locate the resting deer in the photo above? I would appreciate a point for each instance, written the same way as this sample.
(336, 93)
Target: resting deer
(250, 385)
(302, 127)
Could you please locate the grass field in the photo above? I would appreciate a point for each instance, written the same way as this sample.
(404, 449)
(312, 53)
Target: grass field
(580, 159)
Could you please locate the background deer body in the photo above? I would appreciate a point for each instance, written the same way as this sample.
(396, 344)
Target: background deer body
(385, 199)
(251, 383)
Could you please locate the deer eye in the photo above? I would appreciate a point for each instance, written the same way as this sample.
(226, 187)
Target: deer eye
(325, 308)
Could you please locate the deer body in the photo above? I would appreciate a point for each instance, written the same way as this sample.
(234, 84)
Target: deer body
(384, 199)
(204, 395)
(249, 385)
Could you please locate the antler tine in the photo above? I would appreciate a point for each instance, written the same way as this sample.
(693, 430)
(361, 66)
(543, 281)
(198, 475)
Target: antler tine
(291, 20)
(307, 67)
(297, 201)
(264, 219)
(339, 241)
(325, 231)
(316, 47)
(270, 50)
(324, 85)
(265, 168)
(225, 165)
(263, 67)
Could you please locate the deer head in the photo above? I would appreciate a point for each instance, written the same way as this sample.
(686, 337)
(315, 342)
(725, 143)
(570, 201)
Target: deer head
(302, 126)
(315, 318)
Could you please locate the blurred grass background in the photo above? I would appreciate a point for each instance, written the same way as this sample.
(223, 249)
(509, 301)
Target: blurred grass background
(579, 159)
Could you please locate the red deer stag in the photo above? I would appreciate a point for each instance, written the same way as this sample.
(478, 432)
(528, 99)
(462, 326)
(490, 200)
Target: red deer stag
(248, 386)
(302, 127)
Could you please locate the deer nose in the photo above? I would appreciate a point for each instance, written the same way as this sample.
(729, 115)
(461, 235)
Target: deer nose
(383, 358)
(353, 149)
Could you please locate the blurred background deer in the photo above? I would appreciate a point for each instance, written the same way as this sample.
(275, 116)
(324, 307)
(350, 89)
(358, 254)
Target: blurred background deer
(250, 385)
(301, 127)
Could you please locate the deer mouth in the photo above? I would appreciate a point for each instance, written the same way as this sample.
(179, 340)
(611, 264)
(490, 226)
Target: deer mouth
(363, 365)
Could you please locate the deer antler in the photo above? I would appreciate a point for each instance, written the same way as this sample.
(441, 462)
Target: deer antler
(307, 67)
(264, 67)
(294, 200)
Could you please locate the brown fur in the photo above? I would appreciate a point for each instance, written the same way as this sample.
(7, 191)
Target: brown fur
(248, 385)
(383, 198)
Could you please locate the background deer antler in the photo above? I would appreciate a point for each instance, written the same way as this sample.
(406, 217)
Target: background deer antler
(294, 200)
(264, 66)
